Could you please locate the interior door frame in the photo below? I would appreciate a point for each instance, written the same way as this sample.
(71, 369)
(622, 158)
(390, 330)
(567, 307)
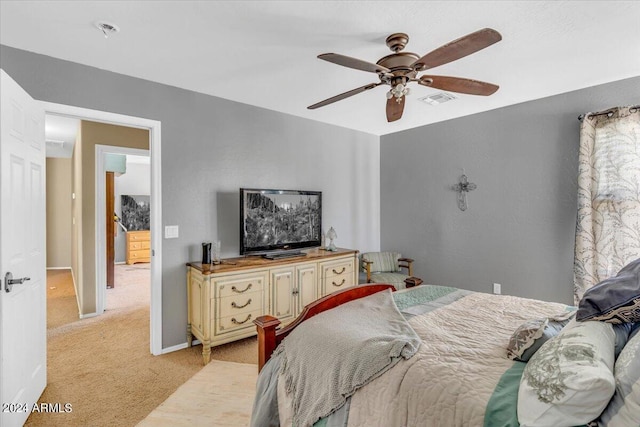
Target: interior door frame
(154, 128)
(101, 217)
(110, 180)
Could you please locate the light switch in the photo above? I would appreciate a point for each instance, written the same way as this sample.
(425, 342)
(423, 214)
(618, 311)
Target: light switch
(171, 232)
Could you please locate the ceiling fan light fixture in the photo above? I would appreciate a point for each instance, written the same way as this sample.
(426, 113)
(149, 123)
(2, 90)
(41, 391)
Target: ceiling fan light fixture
(398, 91)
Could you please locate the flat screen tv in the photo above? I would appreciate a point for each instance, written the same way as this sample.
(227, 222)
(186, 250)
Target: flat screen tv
(274, 221)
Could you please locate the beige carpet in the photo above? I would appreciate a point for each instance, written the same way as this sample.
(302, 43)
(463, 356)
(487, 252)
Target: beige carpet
(220, 395)
(61, 295)
(102, 365)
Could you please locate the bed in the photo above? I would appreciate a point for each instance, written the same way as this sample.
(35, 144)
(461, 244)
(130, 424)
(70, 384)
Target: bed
(469, 367)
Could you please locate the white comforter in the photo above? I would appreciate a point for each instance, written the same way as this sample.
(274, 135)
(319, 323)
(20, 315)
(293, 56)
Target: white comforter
(453, 375)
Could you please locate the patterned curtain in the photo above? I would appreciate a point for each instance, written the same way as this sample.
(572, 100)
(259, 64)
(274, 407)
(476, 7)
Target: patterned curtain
(608, 226)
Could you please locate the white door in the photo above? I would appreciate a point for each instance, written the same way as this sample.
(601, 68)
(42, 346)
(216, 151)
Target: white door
(23, 327)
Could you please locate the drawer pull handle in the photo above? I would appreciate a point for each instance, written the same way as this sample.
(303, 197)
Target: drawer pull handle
(234, 305)
(341, 271)
(234, 289)
(341, 283)
(236, 322)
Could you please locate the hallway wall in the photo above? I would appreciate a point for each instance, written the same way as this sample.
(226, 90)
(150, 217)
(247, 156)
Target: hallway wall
(59, 212)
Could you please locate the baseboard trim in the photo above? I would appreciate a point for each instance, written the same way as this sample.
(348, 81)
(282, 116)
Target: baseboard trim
(88, 315)
(75, 288)
(174, 348)
(179, 347)
(58, 268)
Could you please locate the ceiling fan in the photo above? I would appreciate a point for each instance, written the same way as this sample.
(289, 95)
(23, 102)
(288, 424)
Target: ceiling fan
(400, 68)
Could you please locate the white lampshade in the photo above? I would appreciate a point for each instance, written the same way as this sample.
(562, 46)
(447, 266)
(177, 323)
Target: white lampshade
(331, 234)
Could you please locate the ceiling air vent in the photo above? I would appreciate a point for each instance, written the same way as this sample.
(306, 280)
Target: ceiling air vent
(107, 28)
(55, 143)
(437, 98)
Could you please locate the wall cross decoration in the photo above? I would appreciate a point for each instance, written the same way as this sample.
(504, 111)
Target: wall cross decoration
(463, 187)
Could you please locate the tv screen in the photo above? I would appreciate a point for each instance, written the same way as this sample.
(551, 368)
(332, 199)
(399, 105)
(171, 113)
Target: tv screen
(279, 220)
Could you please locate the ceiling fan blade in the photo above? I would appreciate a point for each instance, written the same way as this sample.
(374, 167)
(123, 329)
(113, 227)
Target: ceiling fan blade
(343, 96)
(458, 48)
(394, 109)
(358, 64)
(459, 84)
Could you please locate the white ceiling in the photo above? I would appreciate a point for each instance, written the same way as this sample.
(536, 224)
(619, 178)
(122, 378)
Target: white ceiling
(263, 53)
(60, 135)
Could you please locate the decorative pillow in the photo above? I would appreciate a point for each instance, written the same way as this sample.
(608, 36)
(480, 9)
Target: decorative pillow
(624, 408)
(632, 267)
(569, 380)
(614, 300)
(622, 331)
(530, 336)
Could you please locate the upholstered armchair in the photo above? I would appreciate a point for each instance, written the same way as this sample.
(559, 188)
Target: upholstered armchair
(385, 267)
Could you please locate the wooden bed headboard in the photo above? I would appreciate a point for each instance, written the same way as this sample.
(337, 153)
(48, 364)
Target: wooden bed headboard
(269, 336)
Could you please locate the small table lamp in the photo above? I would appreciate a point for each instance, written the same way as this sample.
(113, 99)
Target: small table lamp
(331, 234)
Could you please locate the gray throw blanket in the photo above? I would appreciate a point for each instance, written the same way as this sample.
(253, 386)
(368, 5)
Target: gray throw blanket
(328, 357)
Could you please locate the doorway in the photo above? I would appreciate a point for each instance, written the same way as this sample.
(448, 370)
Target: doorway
(127, 233)
(154, 129)
(132, 162)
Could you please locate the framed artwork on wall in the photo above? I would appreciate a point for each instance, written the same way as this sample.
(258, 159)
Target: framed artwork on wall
(136, 212)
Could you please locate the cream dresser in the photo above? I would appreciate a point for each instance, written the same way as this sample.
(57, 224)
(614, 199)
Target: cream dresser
(223, 300)
(138, 246)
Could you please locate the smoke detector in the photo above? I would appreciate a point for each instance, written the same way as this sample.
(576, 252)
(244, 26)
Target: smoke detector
(437, 98)
(107, 28)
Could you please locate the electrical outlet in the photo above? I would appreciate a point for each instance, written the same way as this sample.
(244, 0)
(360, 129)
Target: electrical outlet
(497, 288)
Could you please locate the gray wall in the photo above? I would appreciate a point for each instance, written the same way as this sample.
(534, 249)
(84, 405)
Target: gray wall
(519, 227)
(210, 148)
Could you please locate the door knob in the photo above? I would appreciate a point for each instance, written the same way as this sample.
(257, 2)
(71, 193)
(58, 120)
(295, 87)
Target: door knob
(9, 281)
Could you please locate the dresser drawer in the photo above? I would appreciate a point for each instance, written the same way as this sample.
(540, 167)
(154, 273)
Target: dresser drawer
(134, 236)
(332, 284)
(134, 246)
(239, 285)
(337, 275)
(236, 322)
(139, 254)
(236, 305)
(338, 269)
